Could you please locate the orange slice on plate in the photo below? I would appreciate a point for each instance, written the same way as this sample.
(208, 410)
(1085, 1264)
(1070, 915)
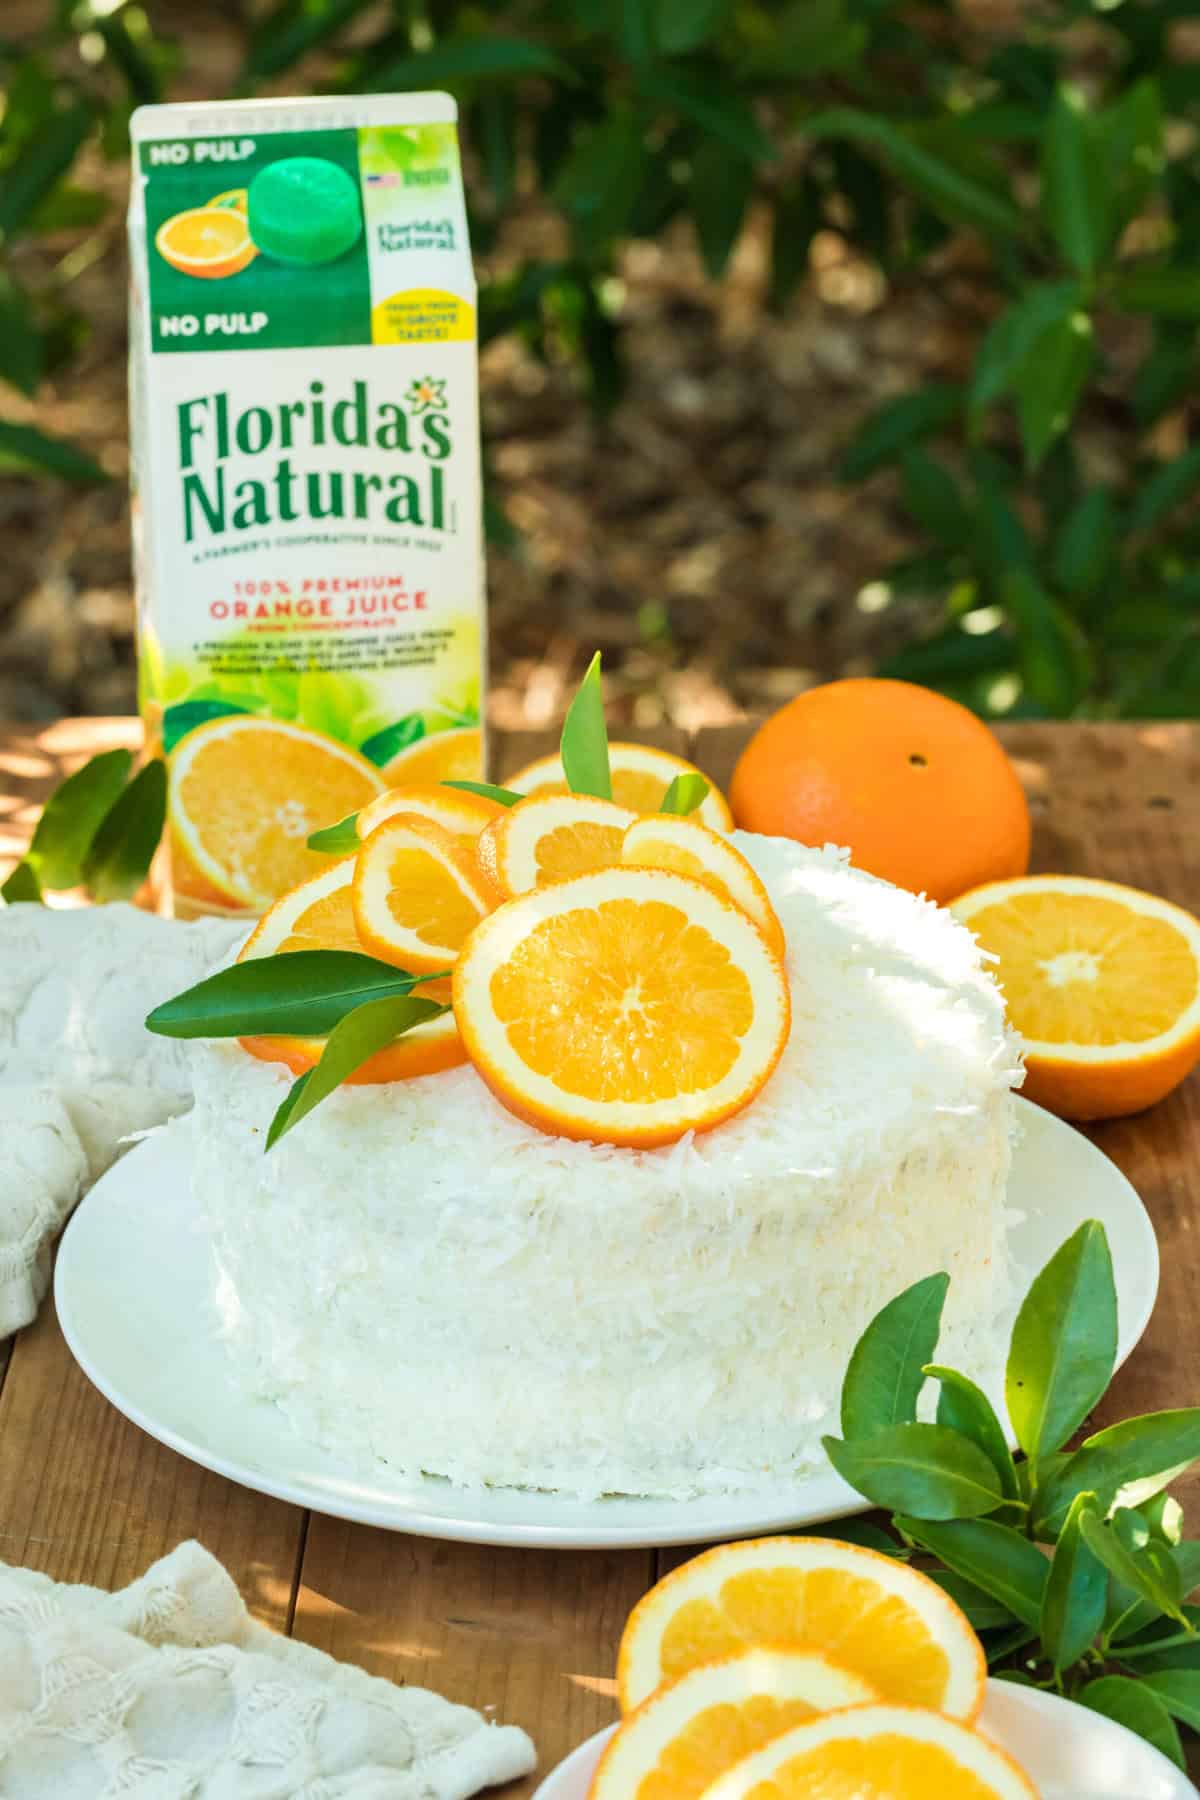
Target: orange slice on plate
(417, 895)
(691, 1730)
(319, 915)
(876, 1753)
(870, 1613)
(245, 794)
(210, 242)
(683, 844)
(626, 1006)
(455, 755)
(640, 778)
(550, 837)
(1101, 981)
(463, 814)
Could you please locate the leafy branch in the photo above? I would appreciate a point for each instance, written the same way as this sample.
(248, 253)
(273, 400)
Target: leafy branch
(1071, 1563)
(99, 830)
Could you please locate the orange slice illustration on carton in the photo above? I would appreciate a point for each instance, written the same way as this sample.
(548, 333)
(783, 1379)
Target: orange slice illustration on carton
(208, 242)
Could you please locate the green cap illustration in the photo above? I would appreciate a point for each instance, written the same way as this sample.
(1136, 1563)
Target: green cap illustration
(304, 210)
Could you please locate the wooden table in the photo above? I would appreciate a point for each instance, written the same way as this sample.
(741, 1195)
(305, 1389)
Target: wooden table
(529, 1636)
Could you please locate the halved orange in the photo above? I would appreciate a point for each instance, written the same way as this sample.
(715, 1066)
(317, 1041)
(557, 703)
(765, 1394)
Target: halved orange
(663, 841)
(454, 755)
(551, 836)
(876, 1753)
(245, 794)
(691, 1730)
(209, 242)
(626, 1006)
(1101, 981)
(640, 778)
(417, 896)
(319, 915)
(870, 1613)
(463, 814)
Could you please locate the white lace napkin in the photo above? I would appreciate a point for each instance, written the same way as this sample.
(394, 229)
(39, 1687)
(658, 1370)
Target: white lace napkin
(168, 1690)
(78, 1071)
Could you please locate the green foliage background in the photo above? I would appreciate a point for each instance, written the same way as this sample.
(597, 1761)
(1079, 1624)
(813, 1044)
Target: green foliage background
(1063, 158)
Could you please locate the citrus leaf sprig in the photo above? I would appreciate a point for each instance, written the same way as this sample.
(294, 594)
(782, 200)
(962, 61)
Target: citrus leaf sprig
(99, 829)
(1071, 1563)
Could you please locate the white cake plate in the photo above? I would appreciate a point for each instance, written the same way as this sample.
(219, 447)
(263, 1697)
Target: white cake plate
(134, 1293)
(1068, 1751)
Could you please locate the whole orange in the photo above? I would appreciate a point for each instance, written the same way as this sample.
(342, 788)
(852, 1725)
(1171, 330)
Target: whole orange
(917, 788)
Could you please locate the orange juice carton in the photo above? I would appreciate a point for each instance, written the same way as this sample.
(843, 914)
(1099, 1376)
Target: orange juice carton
(306, 483)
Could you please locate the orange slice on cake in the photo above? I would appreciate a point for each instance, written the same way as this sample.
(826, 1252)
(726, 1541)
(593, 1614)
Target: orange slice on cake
(319, 915)
(463, 814)
(549, 837)
(246, 792)
(870, 1613)
(876, 1753)
(1101, 981)
(626, 1006)
(640, 778)
(417, 894)
(691, 1730)
(664, 841)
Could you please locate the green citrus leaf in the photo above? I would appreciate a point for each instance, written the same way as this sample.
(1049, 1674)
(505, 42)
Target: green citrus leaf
(964, 1407)
(886, 1371)
(336, 840)
(996, 1558)
(920, 1469)
(684, 794)
(984, 1612)
(303, 994)
(488, 790)
(383, 745)
(1125, 1464)
(1064, 1343)
(188, 714)
(1153, 1579)
(73, 815)
(898, 424)
(584, 743)
(119, 856)
(1131, 1704)
(370, 1027)
(22, 886)
(26, 450)
(1076, 1593)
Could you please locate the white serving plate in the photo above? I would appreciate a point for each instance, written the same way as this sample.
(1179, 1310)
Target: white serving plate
(1068, 1752)
(134, 1293)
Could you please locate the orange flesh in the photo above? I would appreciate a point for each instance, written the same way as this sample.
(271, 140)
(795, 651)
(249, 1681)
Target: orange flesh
(854, 1621)
(626, 1001)
(1081, 969)
(888, 1767)
(427, 901)
(577, 849)
(714, 1740)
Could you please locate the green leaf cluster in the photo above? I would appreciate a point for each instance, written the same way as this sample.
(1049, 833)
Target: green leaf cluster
(98, 830)
(1070, 1561)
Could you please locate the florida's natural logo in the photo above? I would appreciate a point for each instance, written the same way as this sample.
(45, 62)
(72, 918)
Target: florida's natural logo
(213, 430)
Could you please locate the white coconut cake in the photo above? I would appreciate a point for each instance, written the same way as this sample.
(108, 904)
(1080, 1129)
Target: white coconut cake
(419, 1279)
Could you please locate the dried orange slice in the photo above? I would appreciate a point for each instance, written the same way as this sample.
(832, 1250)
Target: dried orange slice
(319, 915)
(666, 842)
(549, 837)
(245, 794)
(870, 1613)
(463, 814)
(626, 1006)
(209, 242)
(455, 755)
(876, 1753)
(416, 895)
(691, 1730)
(640, 778)
(1101, 981)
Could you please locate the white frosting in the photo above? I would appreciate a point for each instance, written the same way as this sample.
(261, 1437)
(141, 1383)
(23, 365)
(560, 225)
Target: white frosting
(415, 1275)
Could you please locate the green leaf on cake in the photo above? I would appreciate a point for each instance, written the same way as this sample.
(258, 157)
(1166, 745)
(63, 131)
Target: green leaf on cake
(886, 1370)
(966, 1408)
(336, 840)
(73, 815)
(488, 791)
(304, 993)
(920, 1469)
(1064, 1343)
(584, 744)
(359, 1035)
(22, 886)
(119, 856)
(684, 794)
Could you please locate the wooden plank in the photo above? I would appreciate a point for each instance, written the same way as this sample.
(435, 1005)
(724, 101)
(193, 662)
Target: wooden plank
(86, 1496)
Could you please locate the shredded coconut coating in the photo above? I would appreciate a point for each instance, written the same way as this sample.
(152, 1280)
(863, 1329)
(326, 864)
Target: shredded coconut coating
(416, 1277)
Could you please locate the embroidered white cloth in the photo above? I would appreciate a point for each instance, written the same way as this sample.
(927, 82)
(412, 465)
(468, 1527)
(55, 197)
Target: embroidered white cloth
(168, 1690)
(78, 1071)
